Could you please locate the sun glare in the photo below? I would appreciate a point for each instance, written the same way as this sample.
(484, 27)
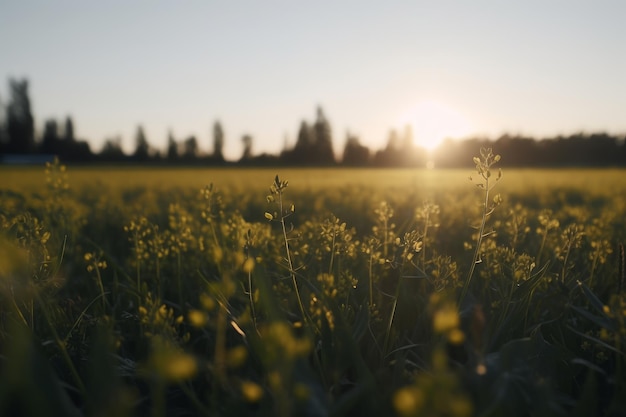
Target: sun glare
(432, 122)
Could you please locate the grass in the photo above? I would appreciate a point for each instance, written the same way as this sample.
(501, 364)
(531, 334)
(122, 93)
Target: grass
(255, 179)
(347, 292)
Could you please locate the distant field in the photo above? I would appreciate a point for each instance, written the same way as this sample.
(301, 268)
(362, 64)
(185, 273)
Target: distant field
(516, 180)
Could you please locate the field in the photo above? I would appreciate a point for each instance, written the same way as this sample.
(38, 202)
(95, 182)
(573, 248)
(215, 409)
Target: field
(286, 292)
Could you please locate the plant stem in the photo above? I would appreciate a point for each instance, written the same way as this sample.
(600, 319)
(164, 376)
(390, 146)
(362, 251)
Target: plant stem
(391, 317)
(479, 240)
(543, 242)
(101, 287)
(292, 272)
(424, 242)
(332, 255)
(179, 279)
(61, 344)
(563, 269)
(250, 290)
(371, 280)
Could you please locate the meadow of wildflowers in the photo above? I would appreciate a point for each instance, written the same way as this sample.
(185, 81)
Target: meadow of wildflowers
(313, 293)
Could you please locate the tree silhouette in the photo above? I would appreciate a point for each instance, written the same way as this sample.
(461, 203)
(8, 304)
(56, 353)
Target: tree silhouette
(451, 153)
(50, 142)
(247, 148)
(142, 147)
(112, 150)
(190, 150)
(355, 154)
(388, 156)
(68, 134)
(172, 147)
(407, 139)
(303, 150)
(313, 145)
(218, 142)
(4, 139)
(411, 155)
(65, 147)
(77, 150)
(400, 151)
(20, 122)
(323, 146)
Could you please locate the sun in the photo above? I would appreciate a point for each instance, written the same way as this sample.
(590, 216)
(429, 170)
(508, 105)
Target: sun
(432, 122)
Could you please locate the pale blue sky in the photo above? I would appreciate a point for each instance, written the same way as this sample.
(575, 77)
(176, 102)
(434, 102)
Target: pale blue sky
(534, 67)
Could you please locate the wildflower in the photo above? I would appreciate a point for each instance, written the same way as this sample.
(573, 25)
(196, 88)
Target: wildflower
(248, 265)
(179, 367)
(237, 356)
(408, 401)
(251, 391)
(197, 318)
(446, 319)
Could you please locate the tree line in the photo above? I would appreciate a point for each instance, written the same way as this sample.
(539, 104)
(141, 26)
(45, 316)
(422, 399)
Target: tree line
(313, 146)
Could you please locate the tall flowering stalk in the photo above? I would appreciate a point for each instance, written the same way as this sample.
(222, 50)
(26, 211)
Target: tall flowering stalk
(276, 195)
(484, 166)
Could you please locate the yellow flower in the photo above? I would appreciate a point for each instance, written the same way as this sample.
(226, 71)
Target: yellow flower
(207, 302)
(197, 318)
(179, 367)
(237, 356)
(248, 265)
(408, 401)
(446, 319)
(456, 336)
(252, 392)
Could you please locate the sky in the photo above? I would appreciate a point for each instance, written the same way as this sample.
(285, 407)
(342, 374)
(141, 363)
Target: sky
(447, 68)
